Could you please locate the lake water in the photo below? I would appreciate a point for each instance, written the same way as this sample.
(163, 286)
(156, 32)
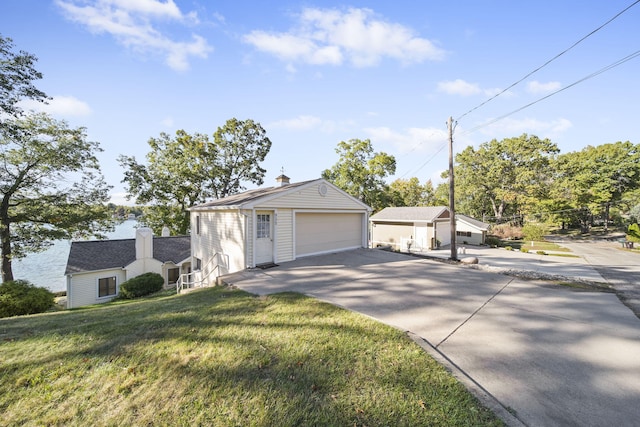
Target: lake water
(46, 269)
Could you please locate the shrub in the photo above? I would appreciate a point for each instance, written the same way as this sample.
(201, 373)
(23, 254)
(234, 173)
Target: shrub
(19, 297)
(141, 285)
(509, 248)
(533, 231)
(506, 231)
(633, 233)
(525, 250)
(541, 252)
(493, 241)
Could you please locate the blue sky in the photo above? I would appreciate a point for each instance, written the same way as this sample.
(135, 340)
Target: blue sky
(317, 73)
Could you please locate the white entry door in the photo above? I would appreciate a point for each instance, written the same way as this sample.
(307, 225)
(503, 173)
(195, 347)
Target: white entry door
(264, 237)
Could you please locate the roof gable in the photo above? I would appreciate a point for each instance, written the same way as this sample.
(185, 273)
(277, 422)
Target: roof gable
(252, 198)
(95, 255)
(472, 221)
(412, 214)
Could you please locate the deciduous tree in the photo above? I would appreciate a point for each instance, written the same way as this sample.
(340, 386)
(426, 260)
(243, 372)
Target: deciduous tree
(504, 177)
(184, 170)
(361, 172)
(17, 74)
(597, 178)
(51, 187)
(409, 192)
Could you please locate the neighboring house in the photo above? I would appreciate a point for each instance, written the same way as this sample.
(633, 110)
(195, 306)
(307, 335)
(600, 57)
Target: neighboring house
(96, 268)
(470, 231)
(411, 228)
(272, 225)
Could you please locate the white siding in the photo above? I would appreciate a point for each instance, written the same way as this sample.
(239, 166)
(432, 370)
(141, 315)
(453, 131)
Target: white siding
(476, 234)
(221, 231)
(82, 288)
(141, 266)
(443, 232)
(284, 235)
(310, 198)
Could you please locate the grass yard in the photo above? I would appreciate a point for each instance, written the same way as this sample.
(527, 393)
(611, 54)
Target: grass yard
(222, 357)
(537, 246)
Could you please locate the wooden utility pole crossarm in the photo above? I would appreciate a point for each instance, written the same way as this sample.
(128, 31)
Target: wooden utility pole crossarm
(452, 208)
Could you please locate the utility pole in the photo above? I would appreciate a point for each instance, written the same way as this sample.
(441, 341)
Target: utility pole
(452, 207)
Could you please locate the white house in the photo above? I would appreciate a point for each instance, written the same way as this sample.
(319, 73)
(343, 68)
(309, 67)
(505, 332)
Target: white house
(470, 231)
(411, 228)
(96, 268)
(275, 224)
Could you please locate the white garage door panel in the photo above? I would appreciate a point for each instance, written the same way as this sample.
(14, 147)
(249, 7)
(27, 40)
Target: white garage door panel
(322, 232)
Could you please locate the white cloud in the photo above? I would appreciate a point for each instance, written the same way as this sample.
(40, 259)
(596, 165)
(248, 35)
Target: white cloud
(464, 88)
(130, 22)
(357, 36)
(538, 87)
(59, 106)
(411, 139)
(459, 87)
(310, 123)
(513, 127)
(167, 122)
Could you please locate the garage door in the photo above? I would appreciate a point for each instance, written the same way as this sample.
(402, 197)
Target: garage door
(326, 232)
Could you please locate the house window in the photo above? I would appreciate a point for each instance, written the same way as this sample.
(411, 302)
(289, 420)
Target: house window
(463, 233)
(106, 287)
(263, 226)
(198, 264)
(172, 275)
(197, 225)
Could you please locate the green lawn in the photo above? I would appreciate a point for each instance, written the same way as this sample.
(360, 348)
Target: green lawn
(222, 357)
(537, 245)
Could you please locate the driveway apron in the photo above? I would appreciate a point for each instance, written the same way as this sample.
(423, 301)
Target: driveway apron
(538, 354)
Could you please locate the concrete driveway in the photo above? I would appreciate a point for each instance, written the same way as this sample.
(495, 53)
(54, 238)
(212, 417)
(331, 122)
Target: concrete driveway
(537, 354)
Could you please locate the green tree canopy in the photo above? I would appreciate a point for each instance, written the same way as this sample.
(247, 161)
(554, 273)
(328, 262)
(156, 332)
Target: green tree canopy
(17, 74)
(51, 187)
(185, 170)
(361, 172)
(504, 177)
(596, 178)
(409, 192)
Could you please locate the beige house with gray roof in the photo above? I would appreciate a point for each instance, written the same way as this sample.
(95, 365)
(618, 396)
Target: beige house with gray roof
(411, 228)
(270, 225)
(96, 268)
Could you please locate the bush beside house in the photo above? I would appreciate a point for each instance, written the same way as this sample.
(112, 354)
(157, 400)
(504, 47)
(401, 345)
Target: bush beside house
(19, 297)
(141, 285)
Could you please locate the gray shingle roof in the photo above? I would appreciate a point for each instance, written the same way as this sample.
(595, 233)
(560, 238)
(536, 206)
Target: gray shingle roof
(419, 213)
(479, 224)
(94, 255)
(250, 195)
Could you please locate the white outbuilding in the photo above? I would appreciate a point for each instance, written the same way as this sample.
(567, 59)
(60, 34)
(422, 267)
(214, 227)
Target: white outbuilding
(265, 226)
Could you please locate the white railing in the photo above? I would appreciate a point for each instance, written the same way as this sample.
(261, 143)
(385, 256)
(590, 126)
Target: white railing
(201, 278)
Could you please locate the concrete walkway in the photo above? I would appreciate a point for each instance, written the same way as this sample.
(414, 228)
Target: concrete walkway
(537, 354)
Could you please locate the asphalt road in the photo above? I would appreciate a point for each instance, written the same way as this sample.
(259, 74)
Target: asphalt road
(620, 268)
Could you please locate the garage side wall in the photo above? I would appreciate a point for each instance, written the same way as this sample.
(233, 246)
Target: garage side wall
(223, 232)
(468, 235)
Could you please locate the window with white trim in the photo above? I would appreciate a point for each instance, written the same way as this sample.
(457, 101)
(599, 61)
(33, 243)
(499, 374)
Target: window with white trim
(107, 287)
(263, 226)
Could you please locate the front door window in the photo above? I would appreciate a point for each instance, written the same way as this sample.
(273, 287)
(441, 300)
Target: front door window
(263, 226)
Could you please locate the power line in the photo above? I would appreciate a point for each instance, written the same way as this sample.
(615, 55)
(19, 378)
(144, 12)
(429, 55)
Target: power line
(594, 74)
(551, 60)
